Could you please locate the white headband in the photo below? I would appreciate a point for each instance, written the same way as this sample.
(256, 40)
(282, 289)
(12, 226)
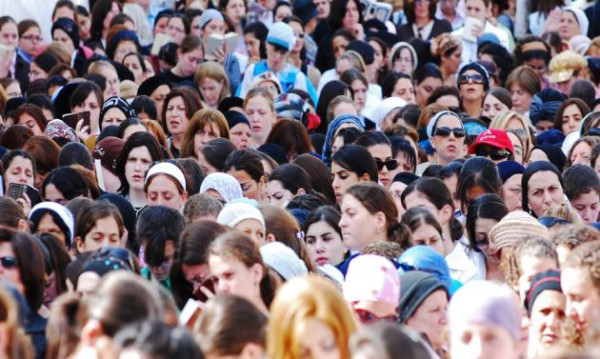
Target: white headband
(168, 169)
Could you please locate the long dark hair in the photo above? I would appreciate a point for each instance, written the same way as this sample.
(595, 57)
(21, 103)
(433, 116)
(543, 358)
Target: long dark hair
(488, 206)
(477, 171)
(338, 12)
(99, 11)
(138, 139)
(358, 160)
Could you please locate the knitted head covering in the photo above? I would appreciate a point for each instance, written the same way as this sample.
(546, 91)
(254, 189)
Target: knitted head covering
(283, 260)
(227, 186)
(551, 137)
(484, 302)
(237, 211)
(149, 85)
(61, 215)
(415, 287)
(548, 280)
(530, 171)
(122, 35)
(434, 120)
(121, 104)
(68, 26)
(514, 228)
(58, 130)
(331, 131)
(372, 278)
(477, 67)
(233, 118)
(384, 108)
(507, 169)
(209, 15)
(544, 105)
(426, 259)
(555, 155)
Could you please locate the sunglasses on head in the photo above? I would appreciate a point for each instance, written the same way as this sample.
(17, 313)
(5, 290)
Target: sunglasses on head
(494, 155)
(8, 262)
(550, 222)
(390, 164)
(445, 132)
(367, 317)
(476, 78)
(593, 132)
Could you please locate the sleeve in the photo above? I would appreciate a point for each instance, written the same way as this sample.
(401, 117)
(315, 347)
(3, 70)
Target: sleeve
(243, 89)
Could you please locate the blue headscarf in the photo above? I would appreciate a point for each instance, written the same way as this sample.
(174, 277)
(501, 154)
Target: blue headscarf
(426, 259)
(540, 110)
(332, 129)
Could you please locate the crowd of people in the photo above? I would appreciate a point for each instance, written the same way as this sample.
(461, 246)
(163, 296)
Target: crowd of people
(300, 179)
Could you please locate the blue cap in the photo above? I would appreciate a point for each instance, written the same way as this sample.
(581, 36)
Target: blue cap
(488, 37)
(426, 259)
(282, 35)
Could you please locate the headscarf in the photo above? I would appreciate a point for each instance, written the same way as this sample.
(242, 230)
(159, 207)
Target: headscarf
(544, 110)
(372, 278)
(581, 17)
(530, 171)
(434, 120)
(58, 130)
(331, 131)
(384, 108)
(426, 259)
(415, 288)
(283, 260)
(61, 215)
(227, 186)
(69, 27)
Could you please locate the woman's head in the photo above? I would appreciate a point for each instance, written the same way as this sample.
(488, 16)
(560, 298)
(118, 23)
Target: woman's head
(246, 167)
(179, 107)
(32, 117)
(114, 111)
(139, 151)
(30, 36)
(99, 225)
(403, 58)
(582, 188)
(399, 84)
(542, 187)
(286, 182)
(427, 78)
(212, 157)
(292, 136)
(496, 100)
(323, 236)
(483, 214)
(55, 219)
(523, 82)
(18, 168)
(424, 228)
(512, 121)
(345, 14)
(573, 21)
(447, 136)
(204, 126)
(570, 114)
(260, 110)
(255, 37)
(478, 176)
(165, 185)
(212, 82)
(349, 165)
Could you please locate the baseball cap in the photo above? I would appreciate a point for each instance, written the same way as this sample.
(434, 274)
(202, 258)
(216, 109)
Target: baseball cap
(281, 35)
(492, 137)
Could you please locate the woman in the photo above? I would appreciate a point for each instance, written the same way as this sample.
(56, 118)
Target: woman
(53, 218)
(513, 122)
(235, 10)
(88, 97)
(351, 164)
(139, 151)
(260, 110)
(114, 111)
(246, 167)
(334, 127)
(473, 81)
(403, 58)
(179, 107)
(64, 30)
(30, 39)
(212, 156)
(484, 213)
(570, 114)
(421, 21)
(212, 81)
(424, 229)
(18, 168)
(63, 184)
(205, 125)
(523, 82)
(102, 13)
(582, 189)
(399, 85)
(380, 149)
(9, 37)
(320, 177)
(358, 84)
(245, 218)
(479, 175)
(447, 136)
(323, 237)
(189, 56)
(542, 187)
(235, 262)
(255, 37)
(32, 117)
(136, 64)
(99, 225)
(286, 182)
(581, 151)
(165, 185)
(292, 136)
(309, 319)
(448, 49)
(427, 78)
(573, 21)
(496, 100)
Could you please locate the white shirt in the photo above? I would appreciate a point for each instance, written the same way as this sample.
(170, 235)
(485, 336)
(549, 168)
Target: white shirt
(469, 49)
(465, 264)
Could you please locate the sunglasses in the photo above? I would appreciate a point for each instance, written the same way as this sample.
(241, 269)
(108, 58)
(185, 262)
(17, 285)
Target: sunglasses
(550, 222)
(521, 133)
(8, 262)
(390, 164)
(494, 155)
(367, 317)
(446, 131)
(477, 79)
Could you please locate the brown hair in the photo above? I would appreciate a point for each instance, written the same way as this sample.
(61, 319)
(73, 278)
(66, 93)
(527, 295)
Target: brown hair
(337, 101)
(19, 343)
(581, 105)
(535, 246)
(44, 152)
(191, 101)
(197, 122)
(526, 77)
(155, 129)
(60, 52)
(428, 113)
(320, 177)
(68, 314)
(292, 136)
(11, 213)
(586, 257)
(33, 111)
(262, 92)
(591, 141)
(573, 235)
(213, 70)
(98, 210)
(90, 180)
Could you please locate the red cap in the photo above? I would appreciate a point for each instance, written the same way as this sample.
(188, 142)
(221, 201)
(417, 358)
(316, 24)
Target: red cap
(492, 137)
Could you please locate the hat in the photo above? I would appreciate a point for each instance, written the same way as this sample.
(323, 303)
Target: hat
(69, 27)
(59, 131)
(507, 169)
(555, 155)
(267, 76)
(477, 67)
(166, 168)
(515, 228)
(493, 137)
(581, 17)
(233, 118)
(398, 47)
(485, 302)
(488, 37)
(108, 151)
(580, 44)
(45, 61)
(548, 280)
(235, 212)
(209, 15)
(117, 38)
(281, 35)
(372, 278)
(364, 49)
(544, 105)
(63, 217)
(128, 89)
(305, 10)
(283, 260)
(293, 107)
(229, 102)
(564, 65)
(225, 184)
(274, 151)
(433, 122)
(415, 287)
(569, 141)
(384, 108)
(150, 84)
(121, 104)
(426, 259)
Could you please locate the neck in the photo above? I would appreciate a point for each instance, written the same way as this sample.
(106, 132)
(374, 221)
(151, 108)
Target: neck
(472, 107)
(137, 197)
(448, 242)
(177, 140)
(295, 59)
(493, 271)
(176, 70)
(421, 20)
(444, 69)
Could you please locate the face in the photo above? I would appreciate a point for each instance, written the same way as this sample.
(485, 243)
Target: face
(176, 117)
(53, 194)
(351, 17)
(197, 274)
(30, 40)
(568, 25)
(547, 316)
(453, 60)
(27, 120)
(235, 10)
(358, 225)
(431, 318)
(571, 119)
(581, 154)
(483, 226)
(511, 192)
(521, 98)
(339, 45)
(359, 91)
(48, 225)
(133, 129)
(90, 104)
(158, 96)
(277, 194)
(60, 36)
(404, 62)
(19, 171)
(211, 91)
(9, 35)
(13, 90)
(138, 162)
(214, 27)
(161, 26)
(583, 299)
(342, 180)
(383, 153)
(112, 82)
(252, 45)
(405, 90)
(425, 89)
(162, 272)
(544, 191)
(176, 29)
(482, 341)
(134, 65)
(36, 72)
(451, 147)
(588, 206)
(323, 7)
(240, 135)
(476, 9)
(261, 117)
(492, 106)
(124, 48)
(233, 277)
(318, 341)
(276, 57)
(254, 229)
(162, 191)
(471, 91)
(204, 135)
(104, 233)
(111, 14)
(190, 61)
(10, 275)
(427, 235)
(84, 23)
(517, 147)
(250, 187)
(324, 244)
(113, 117)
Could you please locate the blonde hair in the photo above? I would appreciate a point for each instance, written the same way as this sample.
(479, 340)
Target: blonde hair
(199, 120)
(355, 58)
(501, 122)
(563, 211)
(213, 70)
(302, 299)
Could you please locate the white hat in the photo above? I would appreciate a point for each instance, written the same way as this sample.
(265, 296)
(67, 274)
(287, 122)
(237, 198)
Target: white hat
(235, 212)
(283, 260)
(282, 35)
(166, 168)
(227, 186)
(61, 211)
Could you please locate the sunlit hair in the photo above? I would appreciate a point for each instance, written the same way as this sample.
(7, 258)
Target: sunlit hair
(300, 300)
(501, 122)
(213, 118)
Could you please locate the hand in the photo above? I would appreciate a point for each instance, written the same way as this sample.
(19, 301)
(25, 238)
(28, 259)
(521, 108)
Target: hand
(553, 20)
(477, 30)
(218, 55)
(358, 31)
(25, 202)
(83, 132)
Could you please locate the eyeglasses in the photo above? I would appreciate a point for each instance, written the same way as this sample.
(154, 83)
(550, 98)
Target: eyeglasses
(32, 38)
(477, 79)
(550, 222)
(390, 164)
(446, 131)
(521, 133)
(494, 155)
(367, 317)
(8, 262)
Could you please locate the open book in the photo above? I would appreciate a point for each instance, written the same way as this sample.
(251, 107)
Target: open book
(216, 41)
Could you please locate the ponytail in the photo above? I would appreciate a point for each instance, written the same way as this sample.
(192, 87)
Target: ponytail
(456, 229)
(399, 233)
(269, 284)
